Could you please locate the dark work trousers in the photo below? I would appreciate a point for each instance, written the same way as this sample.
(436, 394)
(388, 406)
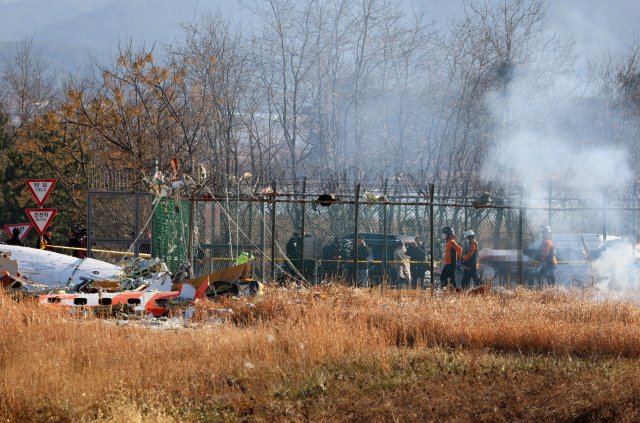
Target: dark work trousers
(403, 283)
(448, 273)
(417, 274)
(548, 272)
(297, 264)
(469, 274)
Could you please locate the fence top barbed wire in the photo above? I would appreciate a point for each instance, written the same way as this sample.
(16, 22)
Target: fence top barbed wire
(396, 187)
(123, 180)
(411, 188)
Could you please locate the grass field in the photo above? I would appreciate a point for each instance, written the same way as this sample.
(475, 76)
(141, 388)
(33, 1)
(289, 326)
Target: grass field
(355, 355)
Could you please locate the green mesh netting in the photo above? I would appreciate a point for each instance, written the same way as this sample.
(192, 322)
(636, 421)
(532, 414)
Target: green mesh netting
(170, 237)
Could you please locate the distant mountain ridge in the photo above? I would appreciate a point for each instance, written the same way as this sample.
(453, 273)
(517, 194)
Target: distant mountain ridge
(66, 30)
(24, 17)
(147, 20)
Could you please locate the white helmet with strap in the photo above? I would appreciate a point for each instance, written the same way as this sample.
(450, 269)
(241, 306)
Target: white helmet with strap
(469, 234)
(545, 229)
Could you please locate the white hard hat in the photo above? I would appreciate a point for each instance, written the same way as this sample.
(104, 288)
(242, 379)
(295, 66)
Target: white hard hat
(545, 228)
(469, 233)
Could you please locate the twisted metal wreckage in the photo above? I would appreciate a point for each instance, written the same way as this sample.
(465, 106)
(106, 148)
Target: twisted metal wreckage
(143, 287)
(140, 287)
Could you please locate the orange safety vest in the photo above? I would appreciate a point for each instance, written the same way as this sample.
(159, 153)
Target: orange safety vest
(452, 251)
(547, 246)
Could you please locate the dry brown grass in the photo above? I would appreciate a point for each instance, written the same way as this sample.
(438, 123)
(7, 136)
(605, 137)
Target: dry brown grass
(82, 369)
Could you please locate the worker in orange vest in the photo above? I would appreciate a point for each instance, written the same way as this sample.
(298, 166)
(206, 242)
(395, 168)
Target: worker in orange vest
(452, 255)
(548, 259)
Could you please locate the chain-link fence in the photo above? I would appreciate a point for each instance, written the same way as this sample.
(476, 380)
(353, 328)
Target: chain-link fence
(297, 236)
(311, 240)
(170, 232)
(117, 223)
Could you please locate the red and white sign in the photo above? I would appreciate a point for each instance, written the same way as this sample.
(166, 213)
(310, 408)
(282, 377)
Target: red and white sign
(24, 229)
(41, 218)
(40, 188)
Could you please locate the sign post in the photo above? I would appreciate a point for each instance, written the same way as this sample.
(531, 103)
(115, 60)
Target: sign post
(40, 188)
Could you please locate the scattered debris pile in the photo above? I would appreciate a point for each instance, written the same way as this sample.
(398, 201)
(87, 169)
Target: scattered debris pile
(139, 273)
(140, 287)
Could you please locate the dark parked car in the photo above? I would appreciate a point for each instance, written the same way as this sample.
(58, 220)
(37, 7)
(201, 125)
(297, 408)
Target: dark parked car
(344, 248)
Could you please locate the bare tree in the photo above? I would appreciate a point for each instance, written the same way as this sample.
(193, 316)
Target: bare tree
(343, 90)
(289, 52)
(27, 84)
(215, 59)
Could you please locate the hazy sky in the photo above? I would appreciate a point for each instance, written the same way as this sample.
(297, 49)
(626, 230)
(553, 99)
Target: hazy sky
(96, 24)
(598, 25)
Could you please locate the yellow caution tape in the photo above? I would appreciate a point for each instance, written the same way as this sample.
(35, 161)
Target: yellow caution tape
(121, 253)
(525, 263)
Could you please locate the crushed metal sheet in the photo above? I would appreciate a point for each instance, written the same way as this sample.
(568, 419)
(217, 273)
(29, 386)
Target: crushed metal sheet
(7, 264)
(14, 285)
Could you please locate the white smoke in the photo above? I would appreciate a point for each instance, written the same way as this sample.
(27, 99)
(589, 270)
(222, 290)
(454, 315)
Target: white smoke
(616, 272)
(555, 134)
(540, 137)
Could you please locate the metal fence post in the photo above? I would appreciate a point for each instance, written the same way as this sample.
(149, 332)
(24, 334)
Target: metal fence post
(355, 238)
(237, 225)
(384, 233)
(88, 225)
(520, 230)
(191, 208)
(250, 229)
(273, 233)
(465, 190)
(262, 242)
(302, 225)
(136, 248)
(431, 239)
